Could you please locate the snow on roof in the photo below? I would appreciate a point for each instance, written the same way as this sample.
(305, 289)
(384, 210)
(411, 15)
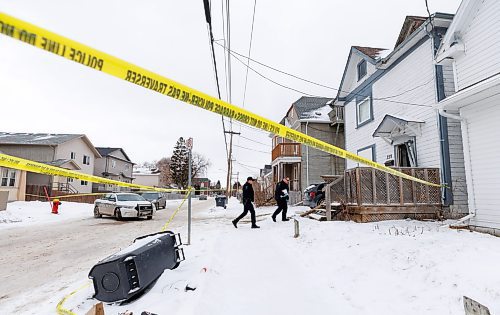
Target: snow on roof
(145, 171)
(36, 138)
(318, 114)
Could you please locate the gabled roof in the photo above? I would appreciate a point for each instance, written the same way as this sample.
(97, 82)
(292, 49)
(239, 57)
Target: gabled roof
(106, 151)
(36, 138)
(43, 139)
(371, 52)
(410, 24)
(312, 108)
(413, 30)
(61, 162)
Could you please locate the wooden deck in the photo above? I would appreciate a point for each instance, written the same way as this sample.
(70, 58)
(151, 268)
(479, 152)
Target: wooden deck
(365, 195)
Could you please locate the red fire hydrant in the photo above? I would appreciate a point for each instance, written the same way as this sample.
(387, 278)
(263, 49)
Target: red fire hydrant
(55, 206)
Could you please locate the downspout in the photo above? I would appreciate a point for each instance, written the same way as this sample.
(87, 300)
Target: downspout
(307, 158)
(470, 187)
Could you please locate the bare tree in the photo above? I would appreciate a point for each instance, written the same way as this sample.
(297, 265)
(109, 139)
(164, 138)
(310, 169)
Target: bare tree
(163, 166)
(200, 165)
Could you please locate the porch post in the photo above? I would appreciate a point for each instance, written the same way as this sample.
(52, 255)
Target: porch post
(328, 197)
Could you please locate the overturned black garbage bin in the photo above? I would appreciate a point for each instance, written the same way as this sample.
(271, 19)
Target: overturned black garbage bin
(125, 274)
(221, 201)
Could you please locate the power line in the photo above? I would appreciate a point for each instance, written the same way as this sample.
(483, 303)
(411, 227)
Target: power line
(208, 19)
(247, 167)
(278, 70)
(407, 91)
(249, 53)
(254, 167)
(224, 41)
(255, 141)
(385, 99)
(269, 79)
(430, 15)
(259, 151)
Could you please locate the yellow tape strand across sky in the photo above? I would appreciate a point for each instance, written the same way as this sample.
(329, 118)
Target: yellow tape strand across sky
(87, 56)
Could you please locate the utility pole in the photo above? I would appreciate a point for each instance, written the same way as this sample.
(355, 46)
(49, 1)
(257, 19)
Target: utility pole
(189, 144)
(230, 163)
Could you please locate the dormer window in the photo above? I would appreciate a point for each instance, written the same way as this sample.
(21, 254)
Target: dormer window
(361, 69)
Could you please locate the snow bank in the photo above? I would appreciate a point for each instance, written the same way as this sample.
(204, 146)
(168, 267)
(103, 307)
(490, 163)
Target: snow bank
(22, 213)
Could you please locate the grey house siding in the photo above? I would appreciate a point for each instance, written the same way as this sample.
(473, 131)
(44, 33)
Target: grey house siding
(459, 186)
(100, 166)
(320, 163)
(30, 152)
(460, 207)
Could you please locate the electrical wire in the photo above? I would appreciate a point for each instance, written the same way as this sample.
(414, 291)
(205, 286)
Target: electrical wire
(249, 54)
(269, 79)
(278, 70)
(385, 99)
(254, 167)
(430, 16)
(255, 141)
(259, 151)
(208, 19)
(224, 41)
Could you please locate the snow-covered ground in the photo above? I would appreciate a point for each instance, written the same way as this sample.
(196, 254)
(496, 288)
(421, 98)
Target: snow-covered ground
(391, 267)
(21, 213)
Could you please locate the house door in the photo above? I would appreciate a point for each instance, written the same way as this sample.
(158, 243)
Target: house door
(406, 155)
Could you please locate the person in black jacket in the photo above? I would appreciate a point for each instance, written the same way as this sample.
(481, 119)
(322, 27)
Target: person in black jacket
(248, 198)
(281, 196)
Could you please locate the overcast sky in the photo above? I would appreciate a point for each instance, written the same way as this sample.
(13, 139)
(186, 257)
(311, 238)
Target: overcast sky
(41, 92)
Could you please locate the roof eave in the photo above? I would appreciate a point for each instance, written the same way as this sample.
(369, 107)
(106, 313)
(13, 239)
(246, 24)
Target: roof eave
(413, 39)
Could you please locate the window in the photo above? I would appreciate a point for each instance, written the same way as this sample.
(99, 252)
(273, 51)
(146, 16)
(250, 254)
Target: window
(70, 180)
(8, 178)
(364, 111)
(126, 167)
(73, 155)
(83, 182)
(86, 160)
(113, 163)
(367, 152)
(361, 69)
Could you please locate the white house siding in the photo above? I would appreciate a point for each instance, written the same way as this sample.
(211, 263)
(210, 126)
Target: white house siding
(483, 134)
(417, 69)
(351, 80)
(482, 45)
(81, 148)
(16, 192)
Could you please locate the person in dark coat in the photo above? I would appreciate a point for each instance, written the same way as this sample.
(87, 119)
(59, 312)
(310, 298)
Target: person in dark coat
(248, 199)
(281, 197)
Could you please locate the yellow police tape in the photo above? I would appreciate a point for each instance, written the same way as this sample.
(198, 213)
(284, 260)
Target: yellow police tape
(164, 228)
(60, 306)
(87, 56)
(41, 168)
(100, 194)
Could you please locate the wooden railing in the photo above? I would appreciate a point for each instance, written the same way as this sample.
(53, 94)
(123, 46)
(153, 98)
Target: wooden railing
(367, 186)
(337, 114)
(286, 150)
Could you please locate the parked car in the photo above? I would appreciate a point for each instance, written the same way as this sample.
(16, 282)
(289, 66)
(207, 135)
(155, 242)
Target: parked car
(314, 195)
(202, 197)
(157, 198)
(124, 205)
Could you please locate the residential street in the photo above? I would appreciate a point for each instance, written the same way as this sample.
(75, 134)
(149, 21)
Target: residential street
(54, 254)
